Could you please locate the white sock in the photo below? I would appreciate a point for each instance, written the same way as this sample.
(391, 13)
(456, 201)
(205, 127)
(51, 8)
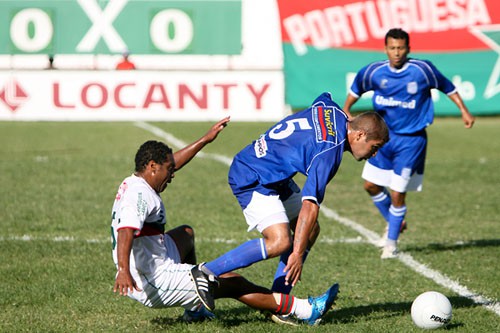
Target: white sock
(302, 309)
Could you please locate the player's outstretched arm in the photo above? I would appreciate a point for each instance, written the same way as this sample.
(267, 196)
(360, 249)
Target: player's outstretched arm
(183, 156)
(467, 118)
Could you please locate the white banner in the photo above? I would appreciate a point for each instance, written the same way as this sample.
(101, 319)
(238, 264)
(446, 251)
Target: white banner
(141, 95)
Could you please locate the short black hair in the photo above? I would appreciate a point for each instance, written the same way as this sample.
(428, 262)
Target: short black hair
(373, 124)
(398, 33)
(151, 150)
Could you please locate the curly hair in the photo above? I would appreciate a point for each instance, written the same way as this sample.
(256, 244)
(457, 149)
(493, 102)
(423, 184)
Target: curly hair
(151, 151)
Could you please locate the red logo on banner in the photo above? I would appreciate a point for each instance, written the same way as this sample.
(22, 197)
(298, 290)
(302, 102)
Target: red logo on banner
(13, 95)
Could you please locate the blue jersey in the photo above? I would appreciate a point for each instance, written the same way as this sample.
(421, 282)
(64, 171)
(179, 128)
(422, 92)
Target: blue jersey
(402, 96)
(310, 142)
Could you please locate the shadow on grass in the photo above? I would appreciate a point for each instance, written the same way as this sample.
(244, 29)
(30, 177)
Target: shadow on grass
(226, 318)
(432, 247)
(244, 315)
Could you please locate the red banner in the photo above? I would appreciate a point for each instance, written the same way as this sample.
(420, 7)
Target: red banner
(434, 25)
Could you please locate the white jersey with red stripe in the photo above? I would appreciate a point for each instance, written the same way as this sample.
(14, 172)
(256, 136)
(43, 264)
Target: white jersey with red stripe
(154, 259)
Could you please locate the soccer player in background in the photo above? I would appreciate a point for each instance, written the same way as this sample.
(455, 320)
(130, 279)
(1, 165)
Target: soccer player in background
(154, 267)
(402, 96)
(311, 142)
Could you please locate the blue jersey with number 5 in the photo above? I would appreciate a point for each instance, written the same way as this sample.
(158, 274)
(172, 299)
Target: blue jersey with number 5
(310, 142)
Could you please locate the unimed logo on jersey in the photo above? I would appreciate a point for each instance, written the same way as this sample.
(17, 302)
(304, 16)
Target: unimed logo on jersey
(12, 95)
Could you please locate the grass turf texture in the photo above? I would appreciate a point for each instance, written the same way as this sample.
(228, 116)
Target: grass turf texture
(59, 181)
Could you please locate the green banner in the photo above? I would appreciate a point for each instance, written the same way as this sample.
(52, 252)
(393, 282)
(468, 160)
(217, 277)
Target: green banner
(108, 27)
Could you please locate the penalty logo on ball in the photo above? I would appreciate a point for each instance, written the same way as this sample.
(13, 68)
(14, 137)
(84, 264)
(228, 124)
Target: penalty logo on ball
(431, 310)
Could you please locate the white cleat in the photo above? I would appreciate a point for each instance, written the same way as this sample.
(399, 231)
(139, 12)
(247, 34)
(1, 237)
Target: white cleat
(389, 252)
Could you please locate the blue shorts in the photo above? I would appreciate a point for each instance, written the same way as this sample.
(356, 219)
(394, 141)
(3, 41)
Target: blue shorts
(403, 157)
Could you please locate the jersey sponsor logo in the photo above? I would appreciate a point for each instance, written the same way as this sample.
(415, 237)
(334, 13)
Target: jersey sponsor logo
(412, 87)
(260, 147)
(141, 204)
(383, 83)
(323, 122)
(384, 101)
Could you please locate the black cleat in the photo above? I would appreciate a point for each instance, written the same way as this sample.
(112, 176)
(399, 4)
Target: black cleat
(204, 285)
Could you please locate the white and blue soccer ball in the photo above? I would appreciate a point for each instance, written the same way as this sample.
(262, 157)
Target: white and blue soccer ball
(431, 310)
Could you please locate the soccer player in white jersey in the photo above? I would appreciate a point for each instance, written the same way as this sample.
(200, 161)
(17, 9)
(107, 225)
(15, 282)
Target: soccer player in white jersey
(156, 268)
(402, 96)
(310, 142)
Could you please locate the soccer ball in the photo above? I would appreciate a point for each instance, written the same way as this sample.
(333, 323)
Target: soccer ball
(431, 310)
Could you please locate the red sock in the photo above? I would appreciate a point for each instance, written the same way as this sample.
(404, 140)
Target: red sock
(286, 304)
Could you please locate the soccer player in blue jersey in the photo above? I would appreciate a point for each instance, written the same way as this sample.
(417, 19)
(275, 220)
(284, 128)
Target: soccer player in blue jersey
(310, 142)
(402, 96)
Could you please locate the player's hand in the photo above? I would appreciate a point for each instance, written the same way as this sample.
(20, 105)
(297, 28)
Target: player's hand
(216, 129)
(293, 269)
(468, 120)
(125, 283)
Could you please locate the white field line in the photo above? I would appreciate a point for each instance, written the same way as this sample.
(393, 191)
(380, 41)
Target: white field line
(370, 236)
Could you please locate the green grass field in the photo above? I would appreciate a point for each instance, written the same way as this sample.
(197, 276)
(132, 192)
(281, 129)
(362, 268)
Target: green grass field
(58, 182)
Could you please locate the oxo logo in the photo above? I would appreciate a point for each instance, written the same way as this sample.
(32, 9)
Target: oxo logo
(12, 95)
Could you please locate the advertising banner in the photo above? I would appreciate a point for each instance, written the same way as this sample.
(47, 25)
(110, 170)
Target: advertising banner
(141, 95)
(326, 42)
(110, 27)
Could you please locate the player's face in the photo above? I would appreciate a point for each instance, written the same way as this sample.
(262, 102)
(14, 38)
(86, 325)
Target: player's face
(362, 149)
(164, 174)
(397, 52)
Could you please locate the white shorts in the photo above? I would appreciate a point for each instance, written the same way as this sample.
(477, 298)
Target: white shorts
(170, 285)
(266, 210)
(388, 178)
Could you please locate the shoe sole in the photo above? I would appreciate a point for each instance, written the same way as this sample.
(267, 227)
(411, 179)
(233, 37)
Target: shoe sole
(280, 320)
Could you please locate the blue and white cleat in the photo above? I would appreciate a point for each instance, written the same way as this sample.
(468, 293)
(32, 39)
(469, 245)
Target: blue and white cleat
(321, 304)
(197, 316)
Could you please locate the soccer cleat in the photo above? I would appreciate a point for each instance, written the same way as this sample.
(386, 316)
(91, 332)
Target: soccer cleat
(204, 285)
(284, 319)
(197, 316)
(381, 242)
(321, 304)
(389, 252)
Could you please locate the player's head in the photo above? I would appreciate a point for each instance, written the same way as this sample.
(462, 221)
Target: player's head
(154, 162)
(397, 47)
(367, 133)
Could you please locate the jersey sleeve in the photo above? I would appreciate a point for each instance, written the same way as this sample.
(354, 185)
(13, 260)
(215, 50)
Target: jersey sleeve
(321, 171)
(133, 210)
(357, 85)
(362, 81)
(440, 82)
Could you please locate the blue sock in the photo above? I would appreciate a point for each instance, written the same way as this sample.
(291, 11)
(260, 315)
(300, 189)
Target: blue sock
(382, 201)
(244, 255)
(279, 277)
(396, 217)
